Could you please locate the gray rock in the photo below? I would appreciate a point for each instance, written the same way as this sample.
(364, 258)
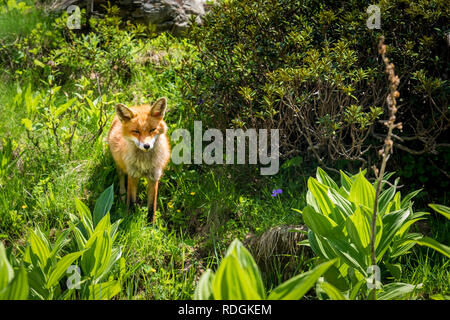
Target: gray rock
(166, 15)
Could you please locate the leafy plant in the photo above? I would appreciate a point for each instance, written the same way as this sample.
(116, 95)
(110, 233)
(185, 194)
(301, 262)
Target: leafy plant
(238, 278)
(95, 237)
(339, 221)
(13, 283)
(44, 265)
(444, 210)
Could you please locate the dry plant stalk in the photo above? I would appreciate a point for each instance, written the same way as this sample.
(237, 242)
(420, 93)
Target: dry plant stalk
(385, 152)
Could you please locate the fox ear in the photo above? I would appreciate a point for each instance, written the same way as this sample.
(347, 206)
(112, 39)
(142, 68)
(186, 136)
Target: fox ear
(159, 108)
(124, 113)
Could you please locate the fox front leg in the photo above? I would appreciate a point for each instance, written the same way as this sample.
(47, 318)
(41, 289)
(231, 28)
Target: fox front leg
(122, 189)
(152, 194)
(131, 191)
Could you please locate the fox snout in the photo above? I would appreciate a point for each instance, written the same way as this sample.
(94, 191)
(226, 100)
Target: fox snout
(145, 144)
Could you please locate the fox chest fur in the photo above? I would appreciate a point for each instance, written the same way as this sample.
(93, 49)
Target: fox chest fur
(148, 164)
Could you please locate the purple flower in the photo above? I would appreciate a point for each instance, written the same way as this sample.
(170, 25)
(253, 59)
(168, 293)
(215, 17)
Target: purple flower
(276, 192)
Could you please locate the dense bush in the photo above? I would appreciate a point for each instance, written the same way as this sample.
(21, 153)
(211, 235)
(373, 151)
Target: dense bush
(311, 69)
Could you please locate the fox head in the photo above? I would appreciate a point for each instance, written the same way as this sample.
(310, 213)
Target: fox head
(142, 125)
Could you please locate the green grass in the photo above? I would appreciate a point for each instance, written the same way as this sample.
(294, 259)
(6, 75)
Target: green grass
(19, 19)
(159, 263)
(201, 209)
(432, 270)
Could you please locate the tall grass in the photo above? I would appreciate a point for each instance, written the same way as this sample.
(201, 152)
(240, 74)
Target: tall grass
(18, 18)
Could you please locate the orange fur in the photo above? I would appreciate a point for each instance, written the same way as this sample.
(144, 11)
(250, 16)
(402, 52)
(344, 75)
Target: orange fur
(140, 147)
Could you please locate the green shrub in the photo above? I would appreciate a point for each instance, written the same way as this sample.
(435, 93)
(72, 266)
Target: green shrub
(311, 69)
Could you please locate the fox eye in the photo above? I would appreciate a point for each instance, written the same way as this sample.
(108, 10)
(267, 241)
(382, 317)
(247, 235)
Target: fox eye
(151, 130)
(135, 131)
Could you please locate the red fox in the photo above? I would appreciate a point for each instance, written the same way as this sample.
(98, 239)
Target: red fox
(140, 148)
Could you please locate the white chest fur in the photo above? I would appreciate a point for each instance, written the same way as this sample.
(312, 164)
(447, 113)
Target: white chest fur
(143, 163)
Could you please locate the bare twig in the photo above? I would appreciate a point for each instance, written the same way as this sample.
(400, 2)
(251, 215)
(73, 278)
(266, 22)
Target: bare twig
(394, 81)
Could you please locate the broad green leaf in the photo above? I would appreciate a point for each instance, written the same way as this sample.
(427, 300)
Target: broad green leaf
(102, 254)
(296, 287)
(392, 222)
(403, 245)
(103, 204)
(310, 200)
(320, 193)
(320, 246)
(116, 254)
(61, 268)
(336, 278)
(320, 224)
(103, 225)
(354, 292)
(325, 179)
(17, 289)
(332, 291)
(114, 229)
(396, 291)
(238, 270)
(350, 255)
(345, 206)
(379, 224)
(385, 197)
(445, 211)
(204, 291)
(60, 242)
(359, 231)
(104, 290)
(79, 237)
(96, 257)
(396, 201)
(6, 271)
(39, 247)
(231, 282)
(88, 260)
(344, 193)
(419, 214)
(429, 242)
(346, 182)
(401, 250)
(85, 216)
(405, 227)
(249, 265)
(362, 192)
(37, 284)
(409, 197)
